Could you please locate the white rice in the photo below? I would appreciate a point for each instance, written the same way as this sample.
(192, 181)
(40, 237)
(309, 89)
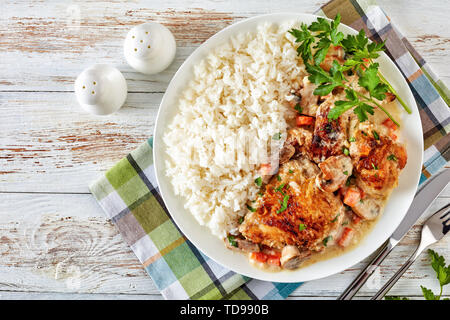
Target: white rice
(227, 117)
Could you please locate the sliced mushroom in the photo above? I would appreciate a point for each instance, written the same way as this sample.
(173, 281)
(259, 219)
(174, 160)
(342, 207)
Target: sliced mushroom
(335, 172)
(292, 257)
(367, 208)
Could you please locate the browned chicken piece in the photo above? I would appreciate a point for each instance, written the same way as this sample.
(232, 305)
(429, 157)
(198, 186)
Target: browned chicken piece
(334, 53)
(297, 214)
(329, 137)
(377, 162)
(242, 245)
(334, 173)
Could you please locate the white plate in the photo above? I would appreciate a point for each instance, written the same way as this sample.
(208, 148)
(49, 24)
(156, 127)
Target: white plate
(214, 248)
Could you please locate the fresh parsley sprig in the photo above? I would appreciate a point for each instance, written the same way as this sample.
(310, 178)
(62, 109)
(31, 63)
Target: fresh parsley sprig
(321, 33)
(442, 274)
(315, 41)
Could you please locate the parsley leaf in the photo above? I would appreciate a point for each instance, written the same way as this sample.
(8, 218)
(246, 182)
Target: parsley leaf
(362, 110)
(392, 157)
(428, 294)
(232, 241)
(251, 208)
(284, 204)
(301, 227)
(325, 241)
(442, 275)
(359, 54)
(277, 136)
(258, 181)
(395, 298)
(306, 38)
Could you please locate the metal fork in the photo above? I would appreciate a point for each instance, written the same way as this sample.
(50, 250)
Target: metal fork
(434, 229)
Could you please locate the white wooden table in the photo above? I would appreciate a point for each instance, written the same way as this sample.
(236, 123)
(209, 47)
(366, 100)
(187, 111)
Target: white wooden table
(54, 239)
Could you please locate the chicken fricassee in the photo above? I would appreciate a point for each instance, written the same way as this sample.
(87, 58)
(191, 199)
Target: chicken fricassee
(330, 185)
(333, 179)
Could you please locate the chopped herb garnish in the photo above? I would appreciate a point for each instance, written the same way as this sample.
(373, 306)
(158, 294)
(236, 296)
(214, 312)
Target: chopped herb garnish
(260, 194)
(284, 204)
(250, 208)
(279, 188)
(301, 227)
(241, 219)
(352, 139)
(277, 136)
(374, 166)
(298, 108)
(232, 241)
(344, 223)
(335, 219)
(325, 241)
(258, 181)
(375, 135)
(278, 177)
(392, 157)
(345, 172)
(346, 151)
(290, 171)
(364, 133)
(349, 180)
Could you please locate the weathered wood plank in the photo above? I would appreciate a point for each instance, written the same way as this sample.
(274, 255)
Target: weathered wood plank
(51, 145)
(46, 49)
(62, 243)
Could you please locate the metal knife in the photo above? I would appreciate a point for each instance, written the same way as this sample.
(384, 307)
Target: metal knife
(423, 199)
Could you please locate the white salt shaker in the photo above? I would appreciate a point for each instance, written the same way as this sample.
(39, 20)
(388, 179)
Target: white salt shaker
(101, 89)
(149, 48)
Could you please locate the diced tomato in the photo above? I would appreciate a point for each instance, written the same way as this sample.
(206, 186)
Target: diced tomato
(364, 149)
(356, 219)
(265, 169)
(259, 256)
(362, 193)
(274, 260)
(365, 64)
(393, 136)
(390, 124)
(346, 237)
(352, 196)
(304, 121)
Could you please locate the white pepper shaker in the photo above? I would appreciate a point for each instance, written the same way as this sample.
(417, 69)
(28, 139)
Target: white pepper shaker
(101, 89)
(149, 48)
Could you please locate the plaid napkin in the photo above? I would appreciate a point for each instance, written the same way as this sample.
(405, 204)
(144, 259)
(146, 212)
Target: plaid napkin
(129, 195)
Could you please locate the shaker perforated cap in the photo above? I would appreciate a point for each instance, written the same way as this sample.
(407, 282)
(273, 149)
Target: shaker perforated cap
(149, 48)
(101, 89)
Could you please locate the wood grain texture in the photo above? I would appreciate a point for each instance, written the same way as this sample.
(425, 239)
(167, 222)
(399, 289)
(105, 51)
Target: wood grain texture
(54, 240)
